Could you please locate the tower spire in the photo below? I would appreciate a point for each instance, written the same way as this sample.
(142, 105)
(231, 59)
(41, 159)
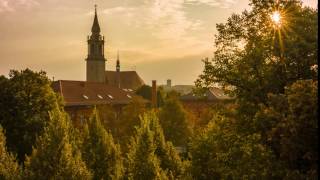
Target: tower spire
(95, 59)
(95, 27)
(118, 62)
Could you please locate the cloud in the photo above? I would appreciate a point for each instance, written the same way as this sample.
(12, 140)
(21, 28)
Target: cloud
(4, 6)
(118, 9)
(10, 6)
(213, 3)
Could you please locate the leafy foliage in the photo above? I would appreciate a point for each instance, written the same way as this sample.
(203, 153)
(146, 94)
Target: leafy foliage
(26, 98)
(142, 162)
(271, 71)
(170, 160)
(219, 152)
(253, 58)
(9, 168)
(109, 117)
(174, 121)
(294, 137)
(129, 118)
(55, 156)
(100, 152)
(145, 91)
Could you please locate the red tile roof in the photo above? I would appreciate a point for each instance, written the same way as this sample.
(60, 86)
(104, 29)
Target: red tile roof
(128, 79)
(77, 93)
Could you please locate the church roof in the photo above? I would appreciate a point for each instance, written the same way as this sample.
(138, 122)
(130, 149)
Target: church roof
(128, 79)
(77, 93)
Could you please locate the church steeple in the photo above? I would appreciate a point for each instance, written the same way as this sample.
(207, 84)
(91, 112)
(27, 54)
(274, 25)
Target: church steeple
(96, 60)
(118, 62)
(95, 26)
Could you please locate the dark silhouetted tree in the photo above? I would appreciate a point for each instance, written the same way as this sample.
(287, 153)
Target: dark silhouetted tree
(26, 98)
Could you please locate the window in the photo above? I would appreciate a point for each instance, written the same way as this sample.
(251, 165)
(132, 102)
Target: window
(99, 96)
(84, 96)
(111, 97)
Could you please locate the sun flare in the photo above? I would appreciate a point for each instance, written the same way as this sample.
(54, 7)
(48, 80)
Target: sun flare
(276, 18)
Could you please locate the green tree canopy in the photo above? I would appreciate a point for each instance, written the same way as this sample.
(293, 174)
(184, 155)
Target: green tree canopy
(170, 160)
(294, 132)
(55, 156)
(254, 58)
(100, 152)
(129, 118)
(145, 91)
(271, 71)
(219, 152)
(26, 98)
(174, 121)
(9, 168)
(142, 162)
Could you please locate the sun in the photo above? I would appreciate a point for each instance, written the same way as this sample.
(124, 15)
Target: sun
(276, 18)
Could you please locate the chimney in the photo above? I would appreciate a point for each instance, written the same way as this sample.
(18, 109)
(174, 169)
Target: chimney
(154, 94)
(169, 83)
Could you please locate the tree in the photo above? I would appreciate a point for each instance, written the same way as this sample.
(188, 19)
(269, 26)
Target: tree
(142, 162)
(100, 152)
(174, 121)
(294, 136)
(54, 156)
(109, 117)
(145, 91)
(9, 168)
(26, 98)
(129, 118)
(254, 58)
(170, 160)
(219, 152)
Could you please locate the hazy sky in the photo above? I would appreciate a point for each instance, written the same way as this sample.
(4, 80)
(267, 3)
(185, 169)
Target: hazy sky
(160, 39)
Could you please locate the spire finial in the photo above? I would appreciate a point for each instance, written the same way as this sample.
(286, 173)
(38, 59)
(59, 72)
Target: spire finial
(95, 27)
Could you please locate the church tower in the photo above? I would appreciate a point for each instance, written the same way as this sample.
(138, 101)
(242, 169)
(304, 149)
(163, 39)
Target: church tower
(95, 61)
(118, 71)
(118, 63)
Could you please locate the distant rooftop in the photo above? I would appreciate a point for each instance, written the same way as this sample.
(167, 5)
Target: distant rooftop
(182, 89)
(77, 93)
(212, 94)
